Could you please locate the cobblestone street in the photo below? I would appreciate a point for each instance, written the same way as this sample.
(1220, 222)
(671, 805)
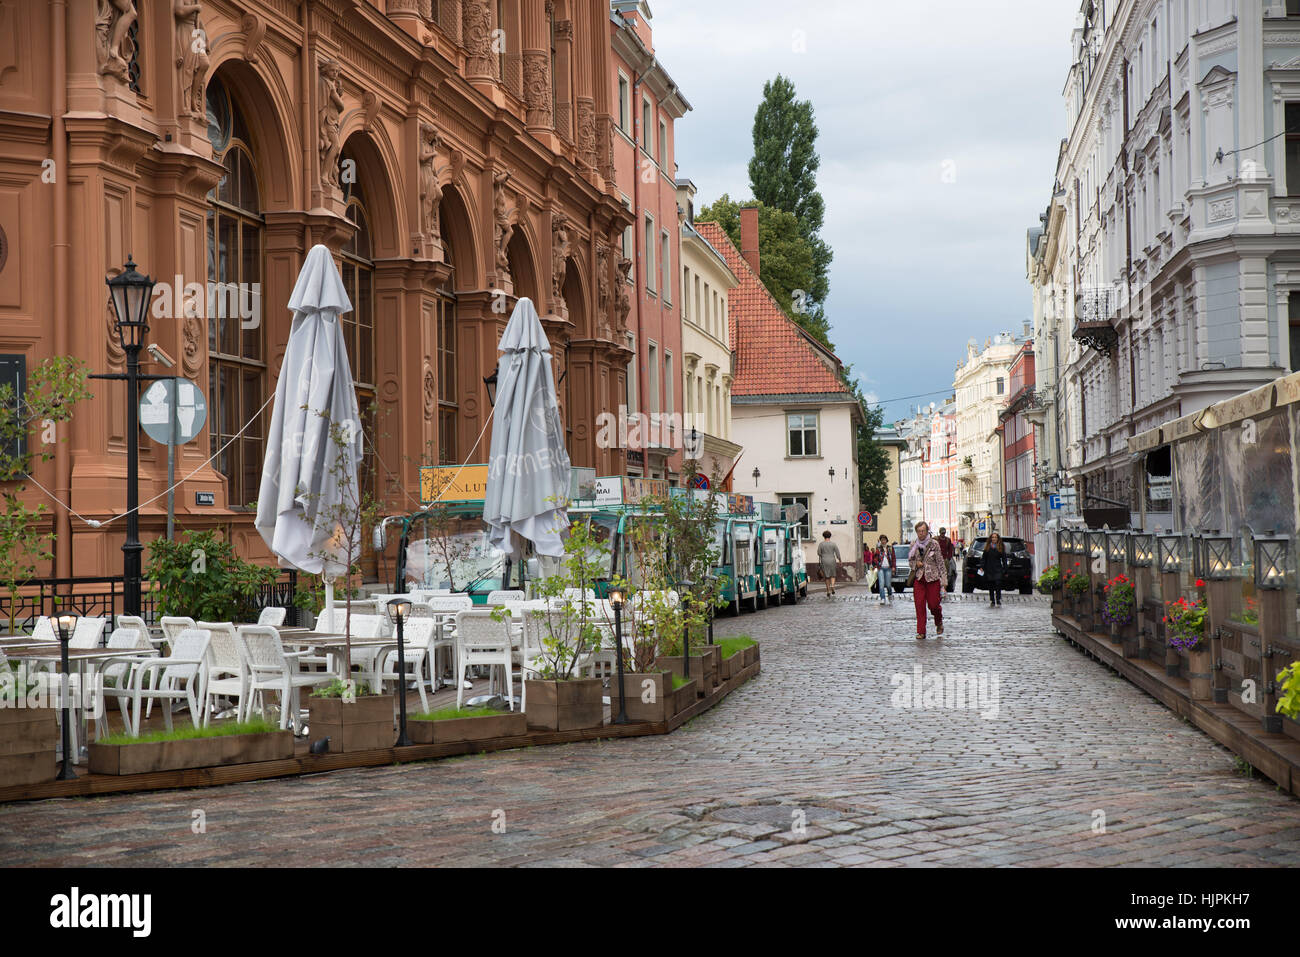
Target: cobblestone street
(811, 764)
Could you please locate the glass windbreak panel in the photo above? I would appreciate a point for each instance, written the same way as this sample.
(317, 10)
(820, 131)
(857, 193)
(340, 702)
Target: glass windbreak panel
(603, 530)
(457, 555)
(1256, 469)
(646, 530)
(1200, 482)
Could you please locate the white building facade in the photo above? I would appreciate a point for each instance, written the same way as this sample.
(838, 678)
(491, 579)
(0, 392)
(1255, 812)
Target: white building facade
(981, 387)
(1167, 271)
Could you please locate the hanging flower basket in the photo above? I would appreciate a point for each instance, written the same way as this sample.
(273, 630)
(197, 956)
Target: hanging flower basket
(1120, 604)
(1185, 624)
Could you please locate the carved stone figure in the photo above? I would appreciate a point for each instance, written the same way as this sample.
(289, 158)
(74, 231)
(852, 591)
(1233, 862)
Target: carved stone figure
(586, 133)
(113, 21)
(505, 230)
(430, 187)
(604, 288)
(623, 299)
(331, 115)
(559, 256)
(191, 56)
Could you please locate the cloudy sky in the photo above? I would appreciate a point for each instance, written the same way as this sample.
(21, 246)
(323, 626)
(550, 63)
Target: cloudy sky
(939, 128)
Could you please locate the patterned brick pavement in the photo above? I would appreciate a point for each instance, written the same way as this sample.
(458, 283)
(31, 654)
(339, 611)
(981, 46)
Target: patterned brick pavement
(812, 764)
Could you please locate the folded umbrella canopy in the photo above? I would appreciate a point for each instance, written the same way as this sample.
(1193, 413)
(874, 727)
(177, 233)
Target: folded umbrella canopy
(528, 468)
(306, 474)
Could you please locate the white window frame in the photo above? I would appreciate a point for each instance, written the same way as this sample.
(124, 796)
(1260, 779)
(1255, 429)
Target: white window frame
(817, 432)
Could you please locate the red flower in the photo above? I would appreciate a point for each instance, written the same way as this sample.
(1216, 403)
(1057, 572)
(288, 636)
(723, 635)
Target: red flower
(1200, 583)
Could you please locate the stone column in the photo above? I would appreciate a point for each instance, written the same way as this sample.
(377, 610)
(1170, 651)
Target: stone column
(478, 22)
(537, 66)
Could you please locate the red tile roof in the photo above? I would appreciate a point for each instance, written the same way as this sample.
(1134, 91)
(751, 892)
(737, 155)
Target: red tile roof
(773, 355)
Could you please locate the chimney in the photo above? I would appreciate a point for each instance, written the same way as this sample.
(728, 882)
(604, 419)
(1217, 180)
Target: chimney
(749, 237)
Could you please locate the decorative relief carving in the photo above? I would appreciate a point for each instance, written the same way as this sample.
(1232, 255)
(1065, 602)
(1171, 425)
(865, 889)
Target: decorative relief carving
(604, 287)
(192, 344)
(586, 132)
(477, 38)
(537, 87)
(116, 354)
(606, 141)
(191, 57)
(113, 20)
(1222, 209)
(329, 141)
(370, 104)
(430, 391)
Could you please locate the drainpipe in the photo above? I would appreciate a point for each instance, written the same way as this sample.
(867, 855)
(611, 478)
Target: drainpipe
(58, 107)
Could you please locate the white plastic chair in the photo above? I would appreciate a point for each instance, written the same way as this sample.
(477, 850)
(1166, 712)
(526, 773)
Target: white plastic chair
(481, 640)
(88, 633)
(273, 616)
(172, 626)
(444, 609)
(182, 675)
(270, 668)
(226, 675)
(418, 636)
(505, 597)
(44, 630)
(118, 671)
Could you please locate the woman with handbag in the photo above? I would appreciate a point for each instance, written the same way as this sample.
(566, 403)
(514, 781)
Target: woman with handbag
(828, 557)
(928, 578)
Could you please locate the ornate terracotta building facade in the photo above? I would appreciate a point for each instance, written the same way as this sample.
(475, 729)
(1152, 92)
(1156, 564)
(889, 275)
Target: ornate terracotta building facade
(453, 154)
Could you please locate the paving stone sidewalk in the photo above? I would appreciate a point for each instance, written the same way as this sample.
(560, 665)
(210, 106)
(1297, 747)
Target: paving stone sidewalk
(816, 763)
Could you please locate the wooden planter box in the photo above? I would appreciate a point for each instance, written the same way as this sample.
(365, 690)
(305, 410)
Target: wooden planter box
(191, 753)
(1199, 671)
(363, 726)
(566, 705)
(685, 696)
(703, 667)
(664, 705)
(507, 724)
(28, 739)
(751, 655)
(730, 667)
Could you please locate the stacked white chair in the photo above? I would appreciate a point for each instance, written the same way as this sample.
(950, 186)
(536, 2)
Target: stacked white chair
(118, 674)
(88, 633)
(482, 640)
(226, 675)
(181, 676)
(506, 597)
(269, 668)
(273, 616)
(172, 626)
(443, 607)
(417, 639)
(44, 630)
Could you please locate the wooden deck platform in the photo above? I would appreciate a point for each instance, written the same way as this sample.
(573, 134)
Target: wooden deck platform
(1277, 756)
(305, 763)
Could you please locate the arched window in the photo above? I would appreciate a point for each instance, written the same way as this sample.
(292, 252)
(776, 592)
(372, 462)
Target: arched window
(236, 354)
(359, 326)
(447, 404)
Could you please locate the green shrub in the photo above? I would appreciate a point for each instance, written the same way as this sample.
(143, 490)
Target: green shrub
(201, 577)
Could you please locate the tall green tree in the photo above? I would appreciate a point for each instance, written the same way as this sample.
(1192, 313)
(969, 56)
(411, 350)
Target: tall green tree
(788, 262)
(783, 175)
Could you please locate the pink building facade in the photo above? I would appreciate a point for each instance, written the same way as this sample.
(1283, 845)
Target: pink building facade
(939, 472)
(646, 105)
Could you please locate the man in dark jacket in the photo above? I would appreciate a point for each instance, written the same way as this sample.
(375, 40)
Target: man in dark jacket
(946, 547)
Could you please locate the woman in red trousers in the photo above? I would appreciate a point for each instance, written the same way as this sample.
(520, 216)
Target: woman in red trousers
(926, 559)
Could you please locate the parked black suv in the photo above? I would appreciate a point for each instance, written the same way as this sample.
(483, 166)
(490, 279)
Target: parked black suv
(1020, 566)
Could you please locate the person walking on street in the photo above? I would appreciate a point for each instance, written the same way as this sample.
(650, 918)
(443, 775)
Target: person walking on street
(887, 562)
(828, 557)
(949, 559)
(994, 563)
(929, 576)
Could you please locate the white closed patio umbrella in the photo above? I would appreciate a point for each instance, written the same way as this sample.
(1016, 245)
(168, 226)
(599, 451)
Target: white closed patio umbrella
(528, 467)
(302, 476)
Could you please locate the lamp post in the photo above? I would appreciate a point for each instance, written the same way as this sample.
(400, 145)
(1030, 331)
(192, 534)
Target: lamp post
(1272, 555)
(67, 624)
(756, 473)
(490, 381)
(131, 292)
(712, 580)
(686, 585)
(1216, 556)
(616, 601)
(398, 611)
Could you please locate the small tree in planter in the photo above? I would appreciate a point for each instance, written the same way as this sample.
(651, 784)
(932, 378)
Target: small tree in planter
(570, 633)
(54, 387)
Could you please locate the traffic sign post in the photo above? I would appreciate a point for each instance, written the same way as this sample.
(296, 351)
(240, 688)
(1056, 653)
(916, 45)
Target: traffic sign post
(173, 412)
(865, 519)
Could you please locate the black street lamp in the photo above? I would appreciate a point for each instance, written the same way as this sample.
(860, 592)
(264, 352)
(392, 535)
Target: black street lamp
(756, 474)
(67, 624)
(616, 600)
(491, 382)
(686, 585)
(711, 580)
(131, 292)
(399, 609)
